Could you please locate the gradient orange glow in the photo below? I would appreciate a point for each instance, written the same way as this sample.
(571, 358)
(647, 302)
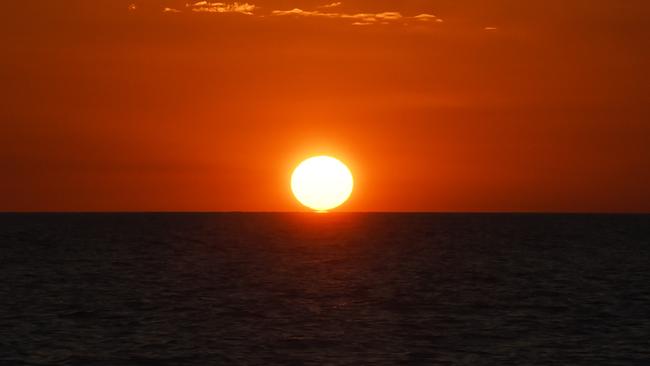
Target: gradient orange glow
(446, 105)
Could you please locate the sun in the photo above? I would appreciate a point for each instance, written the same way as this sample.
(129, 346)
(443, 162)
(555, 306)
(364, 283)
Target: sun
(322, 183)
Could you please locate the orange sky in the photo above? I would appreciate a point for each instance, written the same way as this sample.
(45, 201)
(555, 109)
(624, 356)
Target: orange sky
(501, 105)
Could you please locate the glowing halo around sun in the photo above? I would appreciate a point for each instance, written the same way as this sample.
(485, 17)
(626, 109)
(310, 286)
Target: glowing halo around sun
(322, 183)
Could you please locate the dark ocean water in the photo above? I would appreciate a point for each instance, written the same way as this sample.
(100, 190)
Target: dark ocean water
(335, 289)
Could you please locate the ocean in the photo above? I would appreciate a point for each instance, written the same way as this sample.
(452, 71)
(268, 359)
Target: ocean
(324, 289)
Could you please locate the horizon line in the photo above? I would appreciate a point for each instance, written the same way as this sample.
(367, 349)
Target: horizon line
(162, 212)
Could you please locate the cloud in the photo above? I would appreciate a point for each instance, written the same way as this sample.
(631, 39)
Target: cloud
(390, 15)
(209, 7)
(295, 11)
(387, 17)
(490, 28)
(427, 18)
(332, 5)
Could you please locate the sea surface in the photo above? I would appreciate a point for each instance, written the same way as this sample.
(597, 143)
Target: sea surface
(324, 289)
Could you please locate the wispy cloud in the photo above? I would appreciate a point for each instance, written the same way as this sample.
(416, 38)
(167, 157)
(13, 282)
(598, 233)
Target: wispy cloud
(358, 18)
(332, 5)
(386, 17)
(427, 18)
(210, 7)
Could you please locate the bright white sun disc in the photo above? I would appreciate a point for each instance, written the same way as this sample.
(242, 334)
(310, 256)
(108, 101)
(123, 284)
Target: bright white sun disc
(322, 183)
